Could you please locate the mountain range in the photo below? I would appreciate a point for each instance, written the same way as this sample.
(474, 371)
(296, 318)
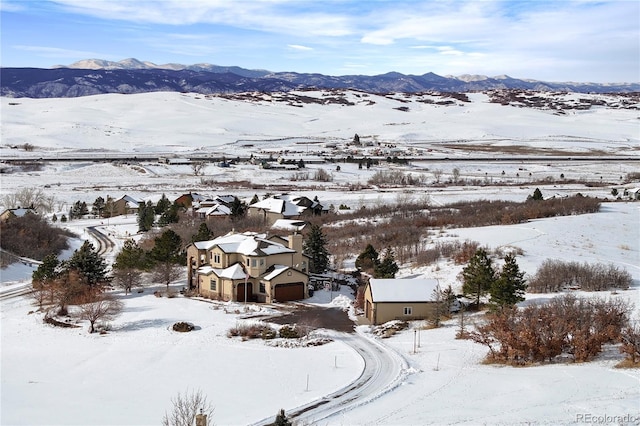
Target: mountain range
(97, 76)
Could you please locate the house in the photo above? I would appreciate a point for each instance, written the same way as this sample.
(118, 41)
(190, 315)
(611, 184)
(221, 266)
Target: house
(284, 206)
(6, 214)
(216, 211)
(125, 205)
(399, 299)
(632, 193)
(249, 266)
(187, 200)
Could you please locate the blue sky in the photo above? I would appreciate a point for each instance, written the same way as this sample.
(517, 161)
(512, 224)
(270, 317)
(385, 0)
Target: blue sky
(558, 40)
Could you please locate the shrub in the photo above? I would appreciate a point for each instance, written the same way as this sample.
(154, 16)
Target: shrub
(540, 333)
(556, 275)
(289, 332)
(183, 327)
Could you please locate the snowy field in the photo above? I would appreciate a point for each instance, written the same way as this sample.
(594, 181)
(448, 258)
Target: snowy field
(53, 376)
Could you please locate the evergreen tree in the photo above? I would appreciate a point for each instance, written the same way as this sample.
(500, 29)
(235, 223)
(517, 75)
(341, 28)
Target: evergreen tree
(203, 234)
(54, 218)
(63, 218)
(146, 216)
(315, 246)
(368, 259)
(281, 419)
(238, 209)
(47, 271)
(255, 199)
(128, 266)
(478, 276)
(167, 256)
(89, 264)
(537, 195)
(162, 205)
(167, 248)
(301, 164)
(97, 207)
(388, 267)
(510, 286)
(170, 215)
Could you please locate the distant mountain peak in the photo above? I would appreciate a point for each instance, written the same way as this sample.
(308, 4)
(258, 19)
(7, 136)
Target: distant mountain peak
(96, 76)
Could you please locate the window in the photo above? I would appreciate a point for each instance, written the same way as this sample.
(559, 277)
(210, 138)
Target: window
(262, 287)
(408, 310)
(254, 263)
(261, 262)
(216, 258)
(213, 284)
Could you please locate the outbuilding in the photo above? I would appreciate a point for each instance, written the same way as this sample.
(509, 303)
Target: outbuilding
(400, 299)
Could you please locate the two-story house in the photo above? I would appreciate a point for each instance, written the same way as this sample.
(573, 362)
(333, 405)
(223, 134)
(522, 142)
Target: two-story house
(249, 266)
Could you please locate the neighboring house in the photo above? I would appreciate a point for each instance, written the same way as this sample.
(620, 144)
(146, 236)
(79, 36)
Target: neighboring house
(234, 265)
(290, 225)
(284, 206)
(632, 193)
(6, 214)
(126, 205)
(399, 299)
(187, 200)
(216, 211)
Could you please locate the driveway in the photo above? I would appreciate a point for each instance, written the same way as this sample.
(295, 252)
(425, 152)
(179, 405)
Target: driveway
(316, 317)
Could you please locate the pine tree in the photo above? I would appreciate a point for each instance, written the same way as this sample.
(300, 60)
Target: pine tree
(387, 268)
(238, 209)
(146, 216)
(167, 256)
(128, 266)
(89, 264)
(510, 286)
(97, 207)
(478, 276)
(281, 419)
(203, 234)
(255, 199)
(162, 205)
(315, 246)
(368, 259)
(47, 270)
(537, 195)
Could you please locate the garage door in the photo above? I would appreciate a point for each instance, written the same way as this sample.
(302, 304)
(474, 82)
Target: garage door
(289, 291)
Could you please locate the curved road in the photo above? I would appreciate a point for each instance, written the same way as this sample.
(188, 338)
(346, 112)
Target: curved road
(384, 370)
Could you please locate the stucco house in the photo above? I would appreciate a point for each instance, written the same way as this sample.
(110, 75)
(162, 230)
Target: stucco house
(399, 299)
(285, 206)
(249, 266)
(126, 205)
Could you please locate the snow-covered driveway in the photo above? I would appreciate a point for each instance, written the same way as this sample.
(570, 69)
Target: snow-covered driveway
(384, 370)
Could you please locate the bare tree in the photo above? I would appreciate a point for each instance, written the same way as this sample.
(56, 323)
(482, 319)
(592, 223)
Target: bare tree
(166, 272)
(104, 309)
(30, 197)
(437, 174)
(185, 409)
(198, 167)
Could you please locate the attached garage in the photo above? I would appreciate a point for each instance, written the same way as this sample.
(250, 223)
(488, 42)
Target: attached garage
(288, 292)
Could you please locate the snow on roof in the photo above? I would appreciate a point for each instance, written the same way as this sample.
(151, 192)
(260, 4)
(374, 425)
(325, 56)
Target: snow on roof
(277, 270)
(130, 199)
(289, 224)
(275, 205)
(204, 245)
(248, 244)
(403, 290)
(233, 272)
(215, 210)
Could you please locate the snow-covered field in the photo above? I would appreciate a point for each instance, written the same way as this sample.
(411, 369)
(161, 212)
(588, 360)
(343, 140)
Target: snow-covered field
(52, 376)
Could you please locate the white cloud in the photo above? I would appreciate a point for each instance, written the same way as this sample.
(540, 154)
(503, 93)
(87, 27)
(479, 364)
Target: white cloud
(299, 47)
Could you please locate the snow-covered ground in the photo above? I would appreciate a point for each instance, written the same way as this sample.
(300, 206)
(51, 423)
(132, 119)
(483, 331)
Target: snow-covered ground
(53, 376)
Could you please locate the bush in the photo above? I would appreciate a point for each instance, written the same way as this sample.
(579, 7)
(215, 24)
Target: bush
(288, 332)
(556, 275)
(564, 326)
(32, 236)
(183, 327)
(255, 330)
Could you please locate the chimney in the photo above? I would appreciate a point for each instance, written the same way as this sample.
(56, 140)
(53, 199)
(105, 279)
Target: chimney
(201, 419)
(295, 242)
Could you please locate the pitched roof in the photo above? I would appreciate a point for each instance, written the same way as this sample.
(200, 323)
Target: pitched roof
(275, 205)
(403, 290)
(248, 244)
(289, 224)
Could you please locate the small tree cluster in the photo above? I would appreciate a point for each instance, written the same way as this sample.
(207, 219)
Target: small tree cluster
(369, 261)
(32, 236)
(506, 287)
(540, 333)
(395, 177)
(34, 198)
(315, 246)
(557, 275)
